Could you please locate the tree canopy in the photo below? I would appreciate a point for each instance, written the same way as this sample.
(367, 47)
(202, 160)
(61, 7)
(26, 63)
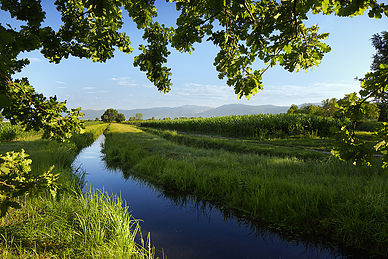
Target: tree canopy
(331, 108)
(380, 43)
(109, 115)
(243, 30)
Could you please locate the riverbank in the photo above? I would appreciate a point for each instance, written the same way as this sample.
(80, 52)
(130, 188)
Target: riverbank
(330, 201)
(73, 225)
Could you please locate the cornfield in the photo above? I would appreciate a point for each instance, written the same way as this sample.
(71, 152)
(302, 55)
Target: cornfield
(253, 126)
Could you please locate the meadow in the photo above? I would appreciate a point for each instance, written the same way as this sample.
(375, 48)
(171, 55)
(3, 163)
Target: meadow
(312, 197)
(74, 224)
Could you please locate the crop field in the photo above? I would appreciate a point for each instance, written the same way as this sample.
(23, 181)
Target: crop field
(287, 190)
(253, 126)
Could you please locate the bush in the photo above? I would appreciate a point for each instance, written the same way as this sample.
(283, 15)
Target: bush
(368, 126)
(9, 132)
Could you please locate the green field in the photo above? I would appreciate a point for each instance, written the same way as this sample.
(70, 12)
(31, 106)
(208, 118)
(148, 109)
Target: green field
(258, 126)
(300, 195)
(74, 225)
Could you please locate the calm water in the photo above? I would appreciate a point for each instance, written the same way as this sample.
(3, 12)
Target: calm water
(184, 228)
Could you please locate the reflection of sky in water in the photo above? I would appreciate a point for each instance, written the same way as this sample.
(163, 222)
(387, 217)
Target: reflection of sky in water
(184, 228)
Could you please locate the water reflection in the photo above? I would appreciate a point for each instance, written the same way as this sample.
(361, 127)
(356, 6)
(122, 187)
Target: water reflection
(185, 227)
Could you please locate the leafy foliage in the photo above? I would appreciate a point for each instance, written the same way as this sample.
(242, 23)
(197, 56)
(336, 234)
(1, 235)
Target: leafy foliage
(16, 180)
(120, 117)
(272, 31)
(332, 108)
(109, 115)
(139, 116)
(380, 43)
(373, 85)
(35, 112)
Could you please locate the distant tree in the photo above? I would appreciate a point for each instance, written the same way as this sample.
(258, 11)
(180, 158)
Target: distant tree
(293, 109)
(329, 107)
(120, 117)
(310, 109)
(109, 115)
(369, 110)
(153, 118)
(132, 118)
(139, 116)
(380, 43)
(96, 119)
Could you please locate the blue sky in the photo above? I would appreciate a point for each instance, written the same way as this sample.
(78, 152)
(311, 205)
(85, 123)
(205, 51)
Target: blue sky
(117, 84)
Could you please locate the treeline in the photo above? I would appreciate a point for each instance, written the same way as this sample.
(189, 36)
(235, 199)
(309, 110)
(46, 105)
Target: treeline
(332, 108)
(111, 115)
(253, 126)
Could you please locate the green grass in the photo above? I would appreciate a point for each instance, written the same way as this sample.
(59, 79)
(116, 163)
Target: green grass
(91, 226)
(330, 201)
(300, 148)
(9, 132)
(75, 225)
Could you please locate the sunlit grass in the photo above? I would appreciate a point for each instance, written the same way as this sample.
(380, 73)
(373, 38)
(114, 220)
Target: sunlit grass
(74, 225)
(329, 200)
(92, 226)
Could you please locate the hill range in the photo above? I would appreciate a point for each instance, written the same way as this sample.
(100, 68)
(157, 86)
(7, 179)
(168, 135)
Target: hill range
(193, 111)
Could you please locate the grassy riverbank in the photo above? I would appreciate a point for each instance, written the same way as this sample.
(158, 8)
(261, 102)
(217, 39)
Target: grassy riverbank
(73, 225)
(328, 200)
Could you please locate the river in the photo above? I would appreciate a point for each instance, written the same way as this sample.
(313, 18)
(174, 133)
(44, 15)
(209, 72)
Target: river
(185, 228)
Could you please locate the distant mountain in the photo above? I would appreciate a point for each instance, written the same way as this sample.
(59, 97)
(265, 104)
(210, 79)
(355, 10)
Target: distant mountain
(193, 111)
(157, 112)
(242, 109)
(92, 114)
(164, 112)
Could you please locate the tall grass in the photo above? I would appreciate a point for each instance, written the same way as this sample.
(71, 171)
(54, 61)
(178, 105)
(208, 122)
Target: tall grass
(9, 132)
(93, 225)
(92, 131)
(331, 201)
(253, 126)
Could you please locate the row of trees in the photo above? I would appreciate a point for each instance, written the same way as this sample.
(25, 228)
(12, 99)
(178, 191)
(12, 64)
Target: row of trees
(332, 108)
(111, 115)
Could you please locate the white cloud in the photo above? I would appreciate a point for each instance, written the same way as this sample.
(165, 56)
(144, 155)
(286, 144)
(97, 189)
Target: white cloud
(35, 60)
(61, 82)
(89, 88)
(124, 81)
(210, 94)
(309, 93)
(198, 90)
